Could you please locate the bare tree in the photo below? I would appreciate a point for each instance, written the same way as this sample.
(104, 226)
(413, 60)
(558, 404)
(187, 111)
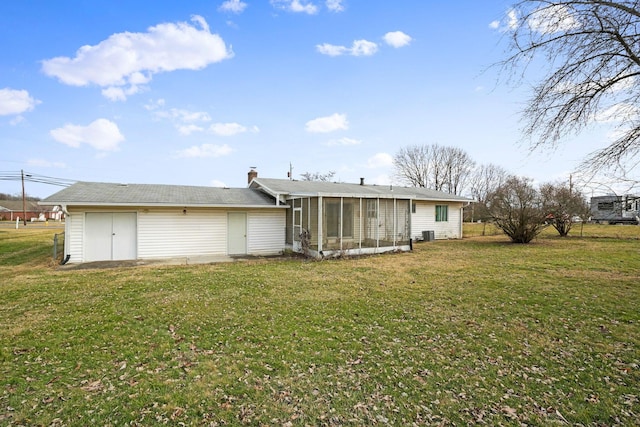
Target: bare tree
(433, 166)
(458, 167)
(413, 165)
(317, 176)
(482, 182)
(562, 204)
(517, 209)
(591, 49)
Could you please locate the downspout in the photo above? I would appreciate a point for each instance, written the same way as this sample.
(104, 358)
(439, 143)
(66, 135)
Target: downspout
(395, 224)
(67, 236)
(360, 226)
(320, 235)
(341, 223)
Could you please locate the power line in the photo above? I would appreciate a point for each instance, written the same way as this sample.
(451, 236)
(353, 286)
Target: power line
(33, 177)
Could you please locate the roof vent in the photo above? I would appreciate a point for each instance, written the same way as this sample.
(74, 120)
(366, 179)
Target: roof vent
(361, 181)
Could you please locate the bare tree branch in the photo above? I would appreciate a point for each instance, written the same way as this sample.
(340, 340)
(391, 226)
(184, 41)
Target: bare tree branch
(433, 166)
(591, 51)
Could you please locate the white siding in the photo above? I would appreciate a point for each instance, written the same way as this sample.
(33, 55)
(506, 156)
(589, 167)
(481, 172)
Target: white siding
(266, 232)
(171, 233)
(74, 236)
(425, 219)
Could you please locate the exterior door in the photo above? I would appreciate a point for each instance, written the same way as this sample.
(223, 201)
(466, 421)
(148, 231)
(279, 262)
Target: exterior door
(110, 236)
(237, 233)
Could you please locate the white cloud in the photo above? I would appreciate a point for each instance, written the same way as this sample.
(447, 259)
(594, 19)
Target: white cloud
(15, 120)
(205, 150)
(154, 105)
(42, 163)
(184, 116)
(618, 113)
(188, 122)
(227, 129)
(552, 19)
(189, 129)
(297, 6)
(101, 134)
(233, 6)
(382, 179)
(512, 20)
(185, 121)
(363, 48)
(334, 5)
(380, 160)
(331, 50)
(124, 62)
(509, 23)
(397, 39)
(327, 124)
(344, 141)
(16, 102)
(358, 48)
(217, 183)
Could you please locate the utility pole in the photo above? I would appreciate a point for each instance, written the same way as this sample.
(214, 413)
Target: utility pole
(570, 184)
(24, 203)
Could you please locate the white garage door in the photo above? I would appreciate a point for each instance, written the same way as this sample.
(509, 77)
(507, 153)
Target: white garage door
(110, 236)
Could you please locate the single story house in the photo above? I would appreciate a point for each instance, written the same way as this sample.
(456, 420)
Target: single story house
(107, 221)
(10, 210)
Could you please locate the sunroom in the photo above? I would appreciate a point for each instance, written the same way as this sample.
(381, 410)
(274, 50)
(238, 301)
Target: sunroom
(328, 226)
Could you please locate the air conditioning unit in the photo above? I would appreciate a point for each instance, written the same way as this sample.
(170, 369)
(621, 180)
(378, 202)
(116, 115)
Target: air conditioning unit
(428, 235)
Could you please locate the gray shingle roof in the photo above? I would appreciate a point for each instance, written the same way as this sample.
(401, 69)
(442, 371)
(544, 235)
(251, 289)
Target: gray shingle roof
(328, 189)
(109, 194)
(16, 206)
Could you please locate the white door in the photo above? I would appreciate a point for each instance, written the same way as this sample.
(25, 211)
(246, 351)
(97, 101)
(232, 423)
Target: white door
(123, 241)
(97, 239)
(237, 233)
(110, 236)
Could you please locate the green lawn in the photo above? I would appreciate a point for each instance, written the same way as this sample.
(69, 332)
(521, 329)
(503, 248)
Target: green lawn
(456, 332)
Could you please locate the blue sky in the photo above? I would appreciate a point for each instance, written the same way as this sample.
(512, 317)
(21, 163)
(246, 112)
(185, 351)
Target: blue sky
(197, 92)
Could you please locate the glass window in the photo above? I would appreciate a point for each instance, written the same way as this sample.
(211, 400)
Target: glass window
(442, 213)
(413, 207)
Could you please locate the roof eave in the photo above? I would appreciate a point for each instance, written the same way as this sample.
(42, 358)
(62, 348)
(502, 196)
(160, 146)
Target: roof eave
(163, 205)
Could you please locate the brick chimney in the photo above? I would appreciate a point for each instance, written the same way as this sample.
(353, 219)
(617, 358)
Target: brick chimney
(253, 173)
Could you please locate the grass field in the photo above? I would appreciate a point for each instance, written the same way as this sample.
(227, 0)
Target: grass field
(474, 331)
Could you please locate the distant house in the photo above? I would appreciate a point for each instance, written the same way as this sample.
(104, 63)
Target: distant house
(10, 210)
(106, 221)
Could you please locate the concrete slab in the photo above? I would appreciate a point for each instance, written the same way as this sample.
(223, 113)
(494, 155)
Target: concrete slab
(192, 260)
